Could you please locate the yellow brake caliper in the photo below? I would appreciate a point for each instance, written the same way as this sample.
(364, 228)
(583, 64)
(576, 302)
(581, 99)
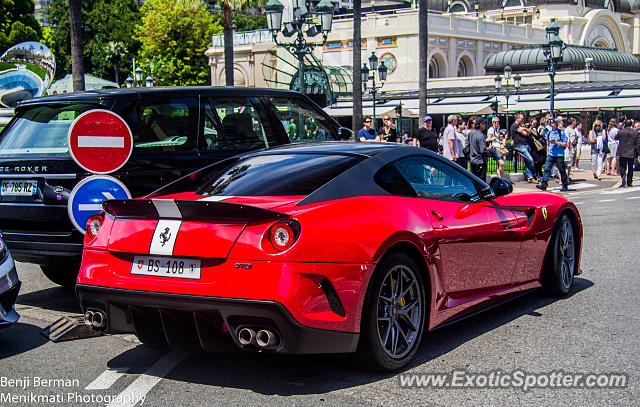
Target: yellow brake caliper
(401, 301)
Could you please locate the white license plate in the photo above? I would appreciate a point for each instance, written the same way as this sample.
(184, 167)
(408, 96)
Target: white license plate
(174, 267)
(19, 188)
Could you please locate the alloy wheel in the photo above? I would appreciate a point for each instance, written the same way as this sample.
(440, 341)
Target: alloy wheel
(567, 252)
(399, 311)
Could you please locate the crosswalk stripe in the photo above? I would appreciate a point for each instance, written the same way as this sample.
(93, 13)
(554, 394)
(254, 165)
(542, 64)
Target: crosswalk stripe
(620, 191)
(634, 197)
(138, 390)
(107, 379)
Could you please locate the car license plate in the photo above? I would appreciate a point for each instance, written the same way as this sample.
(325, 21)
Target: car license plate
(166, 267)
(19, 188)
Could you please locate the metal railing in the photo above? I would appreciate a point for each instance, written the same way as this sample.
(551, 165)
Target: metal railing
(513, 162)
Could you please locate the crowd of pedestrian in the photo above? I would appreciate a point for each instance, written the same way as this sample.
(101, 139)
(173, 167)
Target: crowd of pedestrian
(550, 147)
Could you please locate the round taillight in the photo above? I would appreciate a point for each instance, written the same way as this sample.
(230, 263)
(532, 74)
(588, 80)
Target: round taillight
(284, 234)
(93, 225)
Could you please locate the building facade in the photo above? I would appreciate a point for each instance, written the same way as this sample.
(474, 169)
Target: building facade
(463, 42)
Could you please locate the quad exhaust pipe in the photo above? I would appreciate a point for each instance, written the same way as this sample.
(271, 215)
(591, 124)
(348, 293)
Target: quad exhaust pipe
(97, 319)
(247, 336)
(264, 338)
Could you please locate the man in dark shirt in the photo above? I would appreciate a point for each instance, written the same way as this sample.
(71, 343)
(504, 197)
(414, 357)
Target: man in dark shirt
(478, 149)
(367, 132)
(519, 135)
(426, 137)
(629, 140)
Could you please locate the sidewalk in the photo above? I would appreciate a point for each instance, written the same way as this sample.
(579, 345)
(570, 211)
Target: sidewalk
(583, 181)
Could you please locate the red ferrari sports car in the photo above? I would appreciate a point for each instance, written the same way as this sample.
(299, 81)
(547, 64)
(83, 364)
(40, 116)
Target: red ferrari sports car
(326, 248)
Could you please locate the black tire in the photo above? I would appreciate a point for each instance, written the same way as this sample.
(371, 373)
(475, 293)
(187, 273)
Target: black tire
(560, 265)
(64, 276)
(387, 309)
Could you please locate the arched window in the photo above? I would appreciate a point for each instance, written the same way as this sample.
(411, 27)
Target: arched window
(434, 68)
(458, 7)
(513, 3)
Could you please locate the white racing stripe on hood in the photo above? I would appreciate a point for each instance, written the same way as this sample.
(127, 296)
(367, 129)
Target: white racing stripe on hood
(167, 208)
(216, 198)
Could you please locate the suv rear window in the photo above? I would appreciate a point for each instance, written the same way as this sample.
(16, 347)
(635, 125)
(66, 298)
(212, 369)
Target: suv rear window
(279, 175)
(41, 129)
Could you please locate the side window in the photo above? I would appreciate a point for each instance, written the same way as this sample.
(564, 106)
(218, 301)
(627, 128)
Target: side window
(433, 179)
(167, 125)
(212, 137)
(242, 123)
(392, 181)
(302, 121)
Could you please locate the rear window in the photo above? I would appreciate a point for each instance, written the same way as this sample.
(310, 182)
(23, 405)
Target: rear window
(41, 130)
(279, 175)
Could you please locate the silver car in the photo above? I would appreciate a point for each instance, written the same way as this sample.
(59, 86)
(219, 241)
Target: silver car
(9, 287)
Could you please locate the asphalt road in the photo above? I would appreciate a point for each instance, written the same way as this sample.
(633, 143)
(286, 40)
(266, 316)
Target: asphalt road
(593, 330)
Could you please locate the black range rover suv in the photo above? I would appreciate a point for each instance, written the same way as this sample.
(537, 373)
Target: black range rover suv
(175, 131)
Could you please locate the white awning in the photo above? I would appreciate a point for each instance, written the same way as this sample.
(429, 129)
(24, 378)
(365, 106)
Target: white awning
(629, 92)
(588, 94)
(463, 99)
(580, 104)
(367, 110)
(341, 109)
(513, 99)
(466, 108)
(529, 105)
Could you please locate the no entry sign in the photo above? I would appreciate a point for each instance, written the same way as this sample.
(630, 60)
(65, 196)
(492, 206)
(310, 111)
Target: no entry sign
(100, 141)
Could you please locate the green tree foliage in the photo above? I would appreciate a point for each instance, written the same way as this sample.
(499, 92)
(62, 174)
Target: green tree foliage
(17, 23)
(174, 36)
(104, 21)
(249, 22)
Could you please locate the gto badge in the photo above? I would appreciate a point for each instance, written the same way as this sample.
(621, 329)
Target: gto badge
(245, 266)
(544, 213)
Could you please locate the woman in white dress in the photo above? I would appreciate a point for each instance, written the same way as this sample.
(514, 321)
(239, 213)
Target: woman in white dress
(596, 137)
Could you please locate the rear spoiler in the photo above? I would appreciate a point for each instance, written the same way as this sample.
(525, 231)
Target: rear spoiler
(190, 210)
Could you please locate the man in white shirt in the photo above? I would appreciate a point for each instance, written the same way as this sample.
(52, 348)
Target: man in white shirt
(450, 148)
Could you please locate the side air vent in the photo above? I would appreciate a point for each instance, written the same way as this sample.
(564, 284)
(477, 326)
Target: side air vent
(332, 297)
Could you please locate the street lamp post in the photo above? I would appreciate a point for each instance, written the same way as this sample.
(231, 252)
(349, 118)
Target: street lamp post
(366, 76)
(137, 79)
(137, 74)
(553, 48)
(305, 22)
(517, 82)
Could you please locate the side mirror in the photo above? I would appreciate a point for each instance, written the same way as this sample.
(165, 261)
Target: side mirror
(346, 134)
(500, 186)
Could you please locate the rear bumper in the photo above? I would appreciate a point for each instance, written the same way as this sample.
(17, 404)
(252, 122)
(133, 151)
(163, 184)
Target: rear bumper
(326, 296)
(44, 247)
(188, 321)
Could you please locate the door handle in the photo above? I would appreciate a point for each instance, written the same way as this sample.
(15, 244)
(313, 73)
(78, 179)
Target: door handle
(437, 216)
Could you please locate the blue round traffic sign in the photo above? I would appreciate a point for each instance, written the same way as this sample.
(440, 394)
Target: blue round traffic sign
(88, 195)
